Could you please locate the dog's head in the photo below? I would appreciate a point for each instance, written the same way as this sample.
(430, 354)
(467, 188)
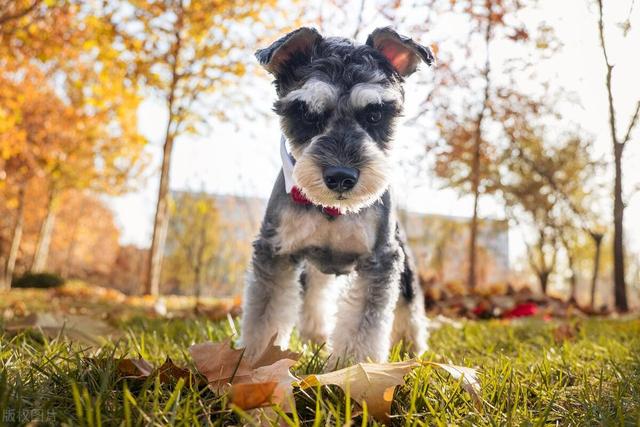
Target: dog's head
(338, 103)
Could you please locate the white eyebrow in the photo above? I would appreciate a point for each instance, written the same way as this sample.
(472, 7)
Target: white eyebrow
(364, 94)
(318, 95)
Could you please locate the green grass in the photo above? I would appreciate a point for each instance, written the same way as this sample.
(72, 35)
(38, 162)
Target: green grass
(528, 377)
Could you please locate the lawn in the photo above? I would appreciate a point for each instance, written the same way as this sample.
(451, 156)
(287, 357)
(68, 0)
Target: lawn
(533, 372)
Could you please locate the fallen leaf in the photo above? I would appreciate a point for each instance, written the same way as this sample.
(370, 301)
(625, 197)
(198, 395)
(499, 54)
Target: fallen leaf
(565, 332)
(135, 368)
(267, 381)
(219, 363)
(141, 369)
(469, 379)
(252, 395)
(271, 367)
(373, 383)
(272, 353)
(277, 373)
(75, 327)
(169, 371)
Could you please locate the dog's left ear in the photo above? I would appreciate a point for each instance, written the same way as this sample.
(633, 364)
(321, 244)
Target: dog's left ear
(295, 46)
(402, 52)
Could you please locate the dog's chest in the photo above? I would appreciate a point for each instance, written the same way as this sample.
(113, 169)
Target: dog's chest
(309, 230)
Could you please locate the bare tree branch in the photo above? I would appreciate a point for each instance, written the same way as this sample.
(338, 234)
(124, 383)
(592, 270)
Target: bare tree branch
(359, 22)
(612, 114)
(632, 124)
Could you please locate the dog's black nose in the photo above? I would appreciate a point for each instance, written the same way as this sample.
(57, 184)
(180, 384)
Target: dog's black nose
(340, 179)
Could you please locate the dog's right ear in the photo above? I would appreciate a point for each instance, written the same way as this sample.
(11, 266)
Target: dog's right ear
(295, 46)
(401, 51)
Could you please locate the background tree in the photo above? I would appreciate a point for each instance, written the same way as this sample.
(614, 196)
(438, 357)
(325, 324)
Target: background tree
(60, 150)
(527, 193)
(71, 111)
(35, 28)
(195, 237)
(548, 175)
(40, 121)
(128, 269)
(104, 153)
(85, 239)
(618, 146)
(186, 51)
(463, 91)
(525, 189)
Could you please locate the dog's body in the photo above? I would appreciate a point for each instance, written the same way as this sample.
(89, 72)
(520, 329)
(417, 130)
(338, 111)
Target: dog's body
(337, 102)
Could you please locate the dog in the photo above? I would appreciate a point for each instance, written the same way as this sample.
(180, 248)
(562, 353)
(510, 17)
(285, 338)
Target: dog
(330, 251)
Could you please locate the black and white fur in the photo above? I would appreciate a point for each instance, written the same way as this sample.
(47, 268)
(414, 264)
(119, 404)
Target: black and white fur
(345, 278)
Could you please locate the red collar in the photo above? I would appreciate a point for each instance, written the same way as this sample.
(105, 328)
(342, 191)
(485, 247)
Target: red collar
(300, 199)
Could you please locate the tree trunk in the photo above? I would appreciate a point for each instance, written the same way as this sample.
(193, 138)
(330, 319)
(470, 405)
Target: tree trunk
(619, 285)
(475, 166)
(573, 279)
(68, 261)
(473, 242)
(16, 238)
(67, 268)
(39, 263)
(597, 240)
(198, 275)
(544, 280)
(161, 222)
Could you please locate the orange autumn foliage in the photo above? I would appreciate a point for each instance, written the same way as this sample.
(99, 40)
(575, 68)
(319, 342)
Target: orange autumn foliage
(85, 237)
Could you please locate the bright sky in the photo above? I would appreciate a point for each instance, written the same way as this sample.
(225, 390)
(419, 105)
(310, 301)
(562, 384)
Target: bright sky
(243, 158)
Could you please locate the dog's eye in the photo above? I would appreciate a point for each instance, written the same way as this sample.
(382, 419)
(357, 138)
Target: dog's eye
(309, 117)
(374, 116)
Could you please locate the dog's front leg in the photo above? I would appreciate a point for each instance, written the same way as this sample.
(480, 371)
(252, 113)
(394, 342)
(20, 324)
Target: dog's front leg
(365, 314)
(271, 299)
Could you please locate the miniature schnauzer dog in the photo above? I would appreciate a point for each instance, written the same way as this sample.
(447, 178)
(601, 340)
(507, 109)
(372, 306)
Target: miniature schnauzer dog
(330, 219)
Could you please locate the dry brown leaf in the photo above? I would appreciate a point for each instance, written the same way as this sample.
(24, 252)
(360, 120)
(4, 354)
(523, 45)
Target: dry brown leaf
(252, 385)
(219, 363)
(269, 380)
(373, 383)
(273, 353)
(141, 369)
(252, 395)
(169, 371)
(272, 366)
(135, 368)
(75, 327)
(565, 332)
(277, 373)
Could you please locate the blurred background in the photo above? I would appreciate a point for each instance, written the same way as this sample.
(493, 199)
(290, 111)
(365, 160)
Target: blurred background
(137, 145)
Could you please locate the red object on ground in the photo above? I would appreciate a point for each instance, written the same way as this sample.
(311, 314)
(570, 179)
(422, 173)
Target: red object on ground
(521, 310)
